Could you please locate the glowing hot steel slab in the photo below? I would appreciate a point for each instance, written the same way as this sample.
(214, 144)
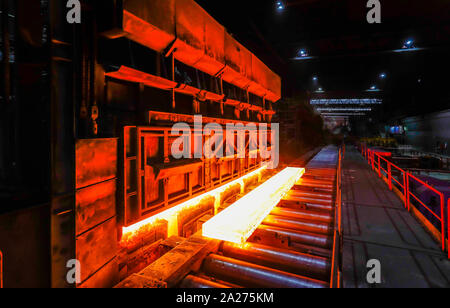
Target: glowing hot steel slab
(128, 233)
(238, 222)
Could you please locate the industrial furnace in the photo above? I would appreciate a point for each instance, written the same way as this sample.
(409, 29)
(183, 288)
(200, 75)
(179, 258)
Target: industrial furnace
(155, 156)
(113, 84)
(191, 144)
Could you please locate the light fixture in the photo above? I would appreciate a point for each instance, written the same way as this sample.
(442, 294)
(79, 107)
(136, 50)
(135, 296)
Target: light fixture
(315, 78)
(383, 75)
(302, 53)
(373, 88)
(343, 109)
(238, 221)
(343, 101)
(280, 5)
(408, 44)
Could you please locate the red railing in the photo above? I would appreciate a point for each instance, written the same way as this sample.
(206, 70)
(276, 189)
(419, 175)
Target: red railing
(441, 217)
(387, 170)
(1, 269)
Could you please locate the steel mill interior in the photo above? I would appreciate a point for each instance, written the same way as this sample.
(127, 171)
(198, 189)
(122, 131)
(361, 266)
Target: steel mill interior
(185, 144)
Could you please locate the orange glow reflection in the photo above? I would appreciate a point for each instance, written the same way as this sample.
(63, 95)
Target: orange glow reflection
(238, 222)
(133, 231)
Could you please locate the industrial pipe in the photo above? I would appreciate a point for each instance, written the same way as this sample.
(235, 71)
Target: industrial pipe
(308, 226)
(297, 236)
(315, 183)
(302, 214)
(302, 193)
(318, 177)
(194, 282)
(281, 259)
(312, 187)
(256, 276)
(296, 203)
(299, 197)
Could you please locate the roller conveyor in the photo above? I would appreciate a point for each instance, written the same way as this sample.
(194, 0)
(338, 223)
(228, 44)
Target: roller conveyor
(256, 276)
(303, 214)
(280, 259)
(311, 194)
(296, 203)
(293, 236)
(196, 282)
(292, 248)
(297, 224)
(308, 199)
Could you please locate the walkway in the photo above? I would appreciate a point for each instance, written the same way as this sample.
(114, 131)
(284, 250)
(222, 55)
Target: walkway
(377, 226)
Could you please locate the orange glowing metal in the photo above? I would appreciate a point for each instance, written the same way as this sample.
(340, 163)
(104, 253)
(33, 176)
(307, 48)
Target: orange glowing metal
(238, 222)
(171, 214)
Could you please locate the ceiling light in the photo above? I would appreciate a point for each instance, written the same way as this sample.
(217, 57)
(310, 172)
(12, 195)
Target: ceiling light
(408, 44)
(302, 53)
(280, 5)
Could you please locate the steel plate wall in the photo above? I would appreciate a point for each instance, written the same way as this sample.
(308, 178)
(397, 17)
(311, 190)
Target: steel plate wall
(198, 41)
(150, 23)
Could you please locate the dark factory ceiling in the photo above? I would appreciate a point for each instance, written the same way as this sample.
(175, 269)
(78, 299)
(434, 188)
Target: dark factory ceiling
(345, 53)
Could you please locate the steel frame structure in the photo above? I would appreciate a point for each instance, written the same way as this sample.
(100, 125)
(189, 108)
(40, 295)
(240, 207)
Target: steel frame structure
(153, 182)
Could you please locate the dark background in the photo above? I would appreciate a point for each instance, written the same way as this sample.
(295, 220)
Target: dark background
(347, 53)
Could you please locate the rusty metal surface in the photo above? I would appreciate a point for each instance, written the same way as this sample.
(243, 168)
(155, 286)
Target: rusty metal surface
(296, 224)
(251, 275)
(154, 181)
(96, 247)
(96, 161)
(298, 203)
(296, 236)
(130, 74)
(312, 194)
(145, 24)
(196, 40)
(281, 259)
(94, 205)
(106, 277)
(194, 282)
(175, 265)
(289, 250)
(316, 199)
(302, 214)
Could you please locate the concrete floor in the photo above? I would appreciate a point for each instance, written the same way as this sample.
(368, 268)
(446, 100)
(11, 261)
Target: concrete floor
(377, 226)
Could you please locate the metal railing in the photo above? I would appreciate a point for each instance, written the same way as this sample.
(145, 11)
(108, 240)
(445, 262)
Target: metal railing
(402, 180)
(336, 265)
(410, 151)
(1, 269)
(441, 216)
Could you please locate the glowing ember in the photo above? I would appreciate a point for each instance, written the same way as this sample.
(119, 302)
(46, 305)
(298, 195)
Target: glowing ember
(238, 222)
(128, 233)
